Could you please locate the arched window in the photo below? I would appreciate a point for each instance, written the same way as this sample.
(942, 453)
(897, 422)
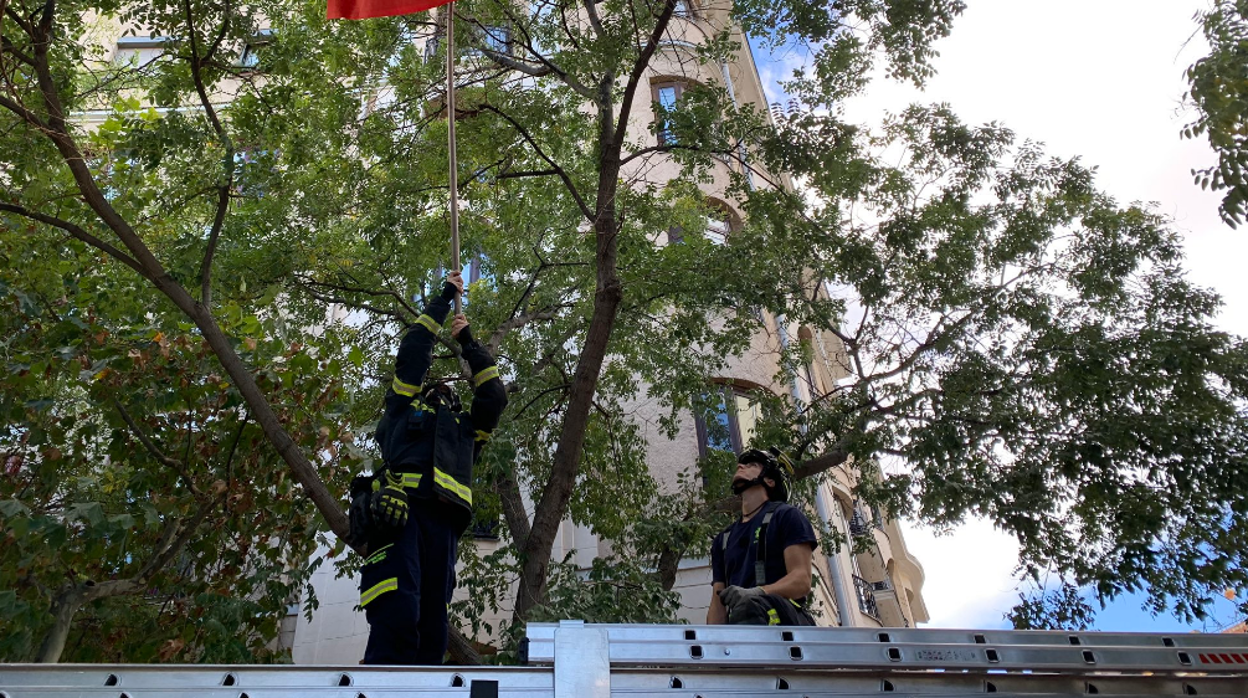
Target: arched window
(720, 221)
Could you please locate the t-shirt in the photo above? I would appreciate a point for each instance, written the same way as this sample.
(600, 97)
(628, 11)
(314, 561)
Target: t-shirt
(734, 565)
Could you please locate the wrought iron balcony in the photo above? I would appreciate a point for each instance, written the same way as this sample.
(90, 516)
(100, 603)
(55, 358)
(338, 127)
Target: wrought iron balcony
(866, 597)
(858, 525)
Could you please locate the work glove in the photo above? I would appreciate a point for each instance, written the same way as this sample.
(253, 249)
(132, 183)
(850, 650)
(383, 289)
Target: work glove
(390, 501)
(732, 596)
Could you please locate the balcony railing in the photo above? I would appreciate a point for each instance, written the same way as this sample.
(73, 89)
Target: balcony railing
(866, 597)
(857, 525)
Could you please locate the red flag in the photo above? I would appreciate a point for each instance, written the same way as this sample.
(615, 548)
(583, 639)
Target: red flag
(363, 9)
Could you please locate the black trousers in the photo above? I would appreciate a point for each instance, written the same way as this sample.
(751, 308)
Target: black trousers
(769, 609)
(408, 623)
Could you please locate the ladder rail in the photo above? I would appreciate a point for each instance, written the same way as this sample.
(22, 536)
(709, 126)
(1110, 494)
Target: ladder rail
(573, 659)
(942, 636)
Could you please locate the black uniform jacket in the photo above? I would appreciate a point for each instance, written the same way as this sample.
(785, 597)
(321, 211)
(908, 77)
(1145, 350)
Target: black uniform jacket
(435, 449)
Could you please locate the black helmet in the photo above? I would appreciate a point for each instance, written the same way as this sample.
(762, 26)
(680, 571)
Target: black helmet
(439, 394)
(776, 466)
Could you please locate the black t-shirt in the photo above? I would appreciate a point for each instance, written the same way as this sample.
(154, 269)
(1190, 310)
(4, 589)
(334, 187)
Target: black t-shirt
(734, 565)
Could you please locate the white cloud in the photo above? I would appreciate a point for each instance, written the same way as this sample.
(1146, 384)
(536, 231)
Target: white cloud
(1103, 81)
(968, 574)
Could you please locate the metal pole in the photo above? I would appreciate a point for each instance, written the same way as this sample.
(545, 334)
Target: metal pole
(843, 609)
(450, 130)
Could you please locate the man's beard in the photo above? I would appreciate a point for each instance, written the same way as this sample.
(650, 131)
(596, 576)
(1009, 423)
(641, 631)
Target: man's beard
(740, 484)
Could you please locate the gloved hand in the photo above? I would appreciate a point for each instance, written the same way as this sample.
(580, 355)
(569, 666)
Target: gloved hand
(390, 502)
(460, 330)
(732, 596)
(453, 286)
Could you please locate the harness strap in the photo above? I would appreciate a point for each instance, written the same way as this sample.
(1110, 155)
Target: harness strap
(760, 558)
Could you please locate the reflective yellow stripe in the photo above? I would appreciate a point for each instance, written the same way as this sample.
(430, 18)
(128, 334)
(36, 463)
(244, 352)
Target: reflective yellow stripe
(429, 324)
(420, 406)
(379, 555)
(491, 372)
(411, 480)
(773, 618)
(449, 483)
(483, 435)
(404, 389)
(391, 584)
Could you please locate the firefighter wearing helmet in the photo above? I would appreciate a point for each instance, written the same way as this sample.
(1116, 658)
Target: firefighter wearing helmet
(761, 565)
(409, 515)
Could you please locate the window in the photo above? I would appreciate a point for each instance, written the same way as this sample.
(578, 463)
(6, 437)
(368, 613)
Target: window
(717, 229)
(138, 51)
(498, 39)
(684, 8)
(720, 221)
(728, 424)
(249, 59)
(493, 37)
(666, 96)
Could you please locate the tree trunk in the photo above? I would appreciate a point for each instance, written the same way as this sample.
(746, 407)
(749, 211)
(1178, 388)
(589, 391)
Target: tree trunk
(550, 510)
(553, 506)
(63, 609)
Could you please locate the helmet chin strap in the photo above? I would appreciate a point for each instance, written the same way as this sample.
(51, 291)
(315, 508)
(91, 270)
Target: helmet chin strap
(739, 486)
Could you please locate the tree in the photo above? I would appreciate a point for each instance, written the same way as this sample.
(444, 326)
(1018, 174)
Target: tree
(291, 199)
(1060, 609)
(1027, 348)
(1219, 91)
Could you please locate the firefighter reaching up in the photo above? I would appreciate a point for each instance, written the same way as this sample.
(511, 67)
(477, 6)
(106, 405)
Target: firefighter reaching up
(411, 513)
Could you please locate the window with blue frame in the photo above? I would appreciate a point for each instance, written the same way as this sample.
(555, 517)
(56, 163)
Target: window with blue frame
(496, 38)
(728, 424)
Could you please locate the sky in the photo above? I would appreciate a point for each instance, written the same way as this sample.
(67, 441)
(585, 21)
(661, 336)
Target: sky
(1099, 79)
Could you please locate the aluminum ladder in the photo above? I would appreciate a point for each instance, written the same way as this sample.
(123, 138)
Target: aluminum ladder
(573, 659)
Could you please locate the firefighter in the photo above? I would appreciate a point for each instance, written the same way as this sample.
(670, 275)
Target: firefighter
(421, 500)
(761, 565)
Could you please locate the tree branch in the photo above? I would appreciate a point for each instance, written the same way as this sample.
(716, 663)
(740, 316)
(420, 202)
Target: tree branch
(667, 148)
(205, 267)
(529, 173)
(640, 67)
(176, 465)
(567, 181)
(517, 519)
(227, 166)
(10, 48)
(548, 67)
(517, 322)
(78, 233)
(412, 312)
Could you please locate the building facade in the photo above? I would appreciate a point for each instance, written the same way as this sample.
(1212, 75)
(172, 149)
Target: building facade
(878, 586)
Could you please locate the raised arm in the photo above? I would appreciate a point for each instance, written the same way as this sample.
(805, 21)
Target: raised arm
(489, 397)
(416, 350)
